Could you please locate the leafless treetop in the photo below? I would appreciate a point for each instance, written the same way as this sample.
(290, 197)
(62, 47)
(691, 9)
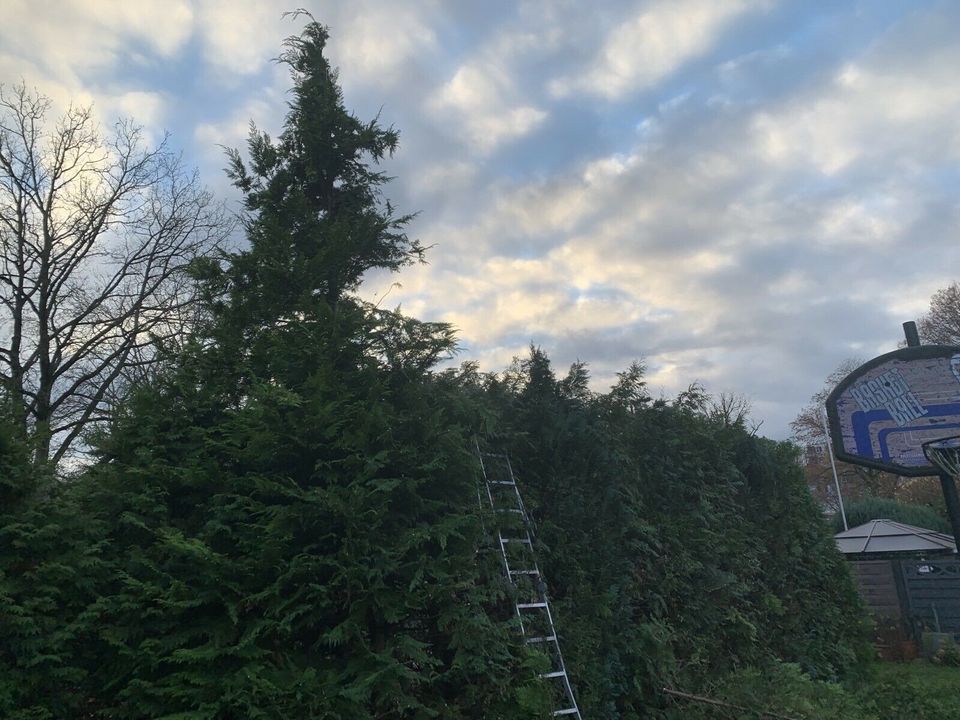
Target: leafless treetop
(96, 233)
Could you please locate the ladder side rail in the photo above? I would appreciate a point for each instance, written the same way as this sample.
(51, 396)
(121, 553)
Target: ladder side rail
(516, 491)
(503, 553)
(483, 473)
(572, 708)
(543, 597)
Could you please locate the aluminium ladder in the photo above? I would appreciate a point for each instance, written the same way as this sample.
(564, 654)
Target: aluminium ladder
(519, 563)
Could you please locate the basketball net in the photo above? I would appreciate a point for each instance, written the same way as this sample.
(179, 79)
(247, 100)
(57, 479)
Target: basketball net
(945, 454)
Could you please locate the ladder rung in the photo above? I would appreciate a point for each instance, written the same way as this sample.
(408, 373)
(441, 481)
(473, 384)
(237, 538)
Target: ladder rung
(542, 639)
(535, 573)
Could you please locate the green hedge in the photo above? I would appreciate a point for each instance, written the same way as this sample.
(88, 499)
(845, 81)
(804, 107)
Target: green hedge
(678, 546)
(863, 511)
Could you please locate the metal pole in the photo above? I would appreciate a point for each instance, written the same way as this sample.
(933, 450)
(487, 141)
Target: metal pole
(946, 480)
(953, 505)
(833, 465)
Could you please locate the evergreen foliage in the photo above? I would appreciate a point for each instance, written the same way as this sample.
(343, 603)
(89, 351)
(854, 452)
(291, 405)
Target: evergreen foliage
(290, 515)
(318, 222)
(308, 553)
(50, 571)
(678, 547)
(874, 508)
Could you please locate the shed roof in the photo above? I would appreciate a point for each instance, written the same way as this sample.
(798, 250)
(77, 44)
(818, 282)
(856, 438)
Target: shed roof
(889, 536)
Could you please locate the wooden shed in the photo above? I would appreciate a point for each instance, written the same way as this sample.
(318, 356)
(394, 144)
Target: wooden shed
(906, 574)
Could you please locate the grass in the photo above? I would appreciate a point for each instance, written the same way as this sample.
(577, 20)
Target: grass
(888, 691)
(918, 690)
(945, 679)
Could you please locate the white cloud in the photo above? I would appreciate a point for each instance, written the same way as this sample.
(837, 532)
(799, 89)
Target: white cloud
(646, 48)
(726, 236)
(146, 108)
(369, 43)
(871, 222)
(444, 177)
(75, 54)
(80, 37)
(483, 98)
(870, 111)
(233, 131)
(707, 243)
(239, 36)
(375, 41)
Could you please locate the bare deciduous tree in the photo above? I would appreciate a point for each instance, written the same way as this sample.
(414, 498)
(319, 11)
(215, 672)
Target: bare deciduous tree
(941, 326)
(96, 235)
(733, 410)
(808, 425)
(808, 432)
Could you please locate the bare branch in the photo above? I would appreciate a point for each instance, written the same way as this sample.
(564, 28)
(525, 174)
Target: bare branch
(96, 236)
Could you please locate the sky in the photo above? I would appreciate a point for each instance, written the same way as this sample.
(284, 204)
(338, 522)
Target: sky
(741, 193)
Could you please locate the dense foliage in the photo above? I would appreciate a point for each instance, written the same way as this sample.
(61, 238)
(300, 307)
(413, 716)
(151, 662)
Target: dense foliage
(874, 508)
(283, 524)
(50, 574)
(288, 512)
(893, 691)
(679, 547)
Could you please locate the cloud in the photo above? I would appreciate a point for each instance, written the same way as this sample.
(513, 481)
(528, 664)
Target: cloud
(239, 37)
(482, 97)
(76, 54)
(696, 247)
(232, 131)
(868, 113)
(652, 44)
(146, 108)
(376, 41)
(79, 37)
(787, 207)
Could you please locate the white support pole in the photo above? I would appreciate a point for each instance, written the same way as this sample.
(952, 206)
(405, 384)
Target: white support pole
(833, 465)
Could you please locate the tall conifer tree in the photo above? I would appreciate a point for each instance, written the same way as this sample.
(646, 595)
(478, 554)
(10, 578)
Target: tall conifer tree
(293, 514)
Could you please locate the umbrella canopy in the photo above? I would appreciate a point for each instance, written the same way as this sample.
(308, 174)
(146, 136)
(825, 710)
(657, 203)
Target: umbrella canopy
(889, 536)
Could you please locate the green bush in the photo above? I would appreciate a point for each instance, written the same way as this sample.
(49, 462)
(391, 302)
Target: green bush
(863, 511)
(918, 690)
(50, 569)
(948, 655)
(890, 691)
(778, 688)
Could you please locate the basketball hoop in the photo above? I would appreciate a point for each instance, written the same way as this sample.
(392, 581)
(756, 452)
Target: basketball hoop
(945, 454)
(884, 411)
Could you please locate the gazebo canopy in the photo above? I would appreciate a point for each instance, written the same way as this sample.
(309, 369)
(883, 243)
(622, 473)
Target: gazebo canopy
(888, 536)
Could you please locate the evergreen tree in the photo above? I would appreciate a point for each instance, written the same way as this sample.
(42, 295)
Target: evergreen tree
(292, 512)
(49, 572)
(318, 223)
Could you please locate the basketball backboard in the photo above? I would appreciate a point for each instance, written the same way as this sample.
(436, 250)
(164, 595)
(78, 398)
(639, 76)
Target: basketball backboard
(883, 412)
